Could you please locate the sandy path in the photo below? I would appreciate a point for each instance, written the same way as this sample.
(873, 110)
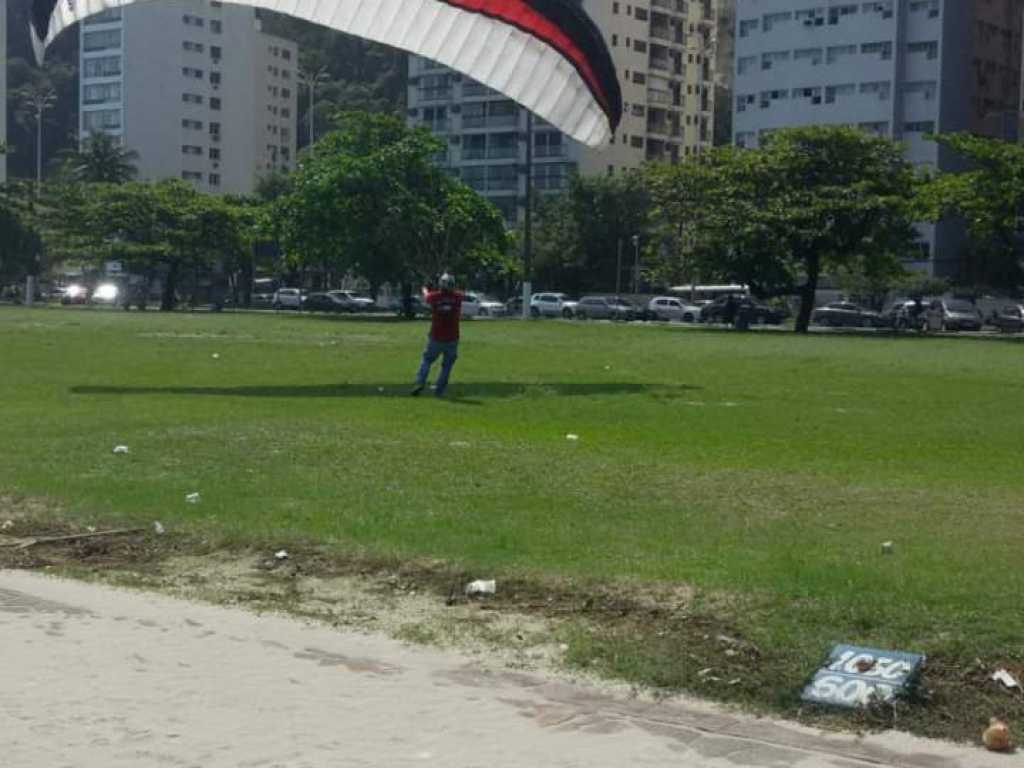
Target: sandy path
(93, 677)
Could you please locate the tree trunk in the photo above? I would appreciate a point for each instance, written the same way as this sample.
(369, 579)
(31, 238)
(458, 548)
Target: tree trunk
(807, 293)
(170, 288)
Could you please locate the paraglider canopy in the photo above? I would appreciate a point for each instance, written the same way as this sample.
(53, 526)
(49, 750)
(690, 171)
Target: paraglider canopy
(548, 55)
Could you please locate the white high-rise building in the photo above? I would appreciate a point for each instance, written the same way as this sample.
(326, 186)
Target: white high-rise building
(195, 87)
(898, 68)
(660, 49)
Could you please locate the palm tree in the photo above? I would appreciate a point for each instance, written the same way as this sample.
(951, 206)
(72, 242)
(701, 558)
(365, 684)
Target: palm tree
(102, 159)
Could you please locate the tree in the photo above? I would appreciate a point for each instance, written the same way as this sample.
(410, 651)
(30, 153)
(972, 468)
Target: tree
(812, 200)
(369, 199)
(20, 244)
(164, 228)
(101, 160)
(988, 197)
(579, 233)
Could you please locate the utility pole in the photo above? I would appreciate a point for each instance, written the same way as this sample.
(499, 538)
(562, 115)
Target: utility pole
(528, 219)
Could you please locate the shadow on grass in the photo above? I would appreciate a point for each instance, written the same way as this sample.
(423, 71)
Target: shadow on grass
(469, 393)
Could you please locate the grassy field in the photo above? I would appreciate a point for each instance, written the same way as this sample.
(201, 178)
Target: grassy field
(763, 469)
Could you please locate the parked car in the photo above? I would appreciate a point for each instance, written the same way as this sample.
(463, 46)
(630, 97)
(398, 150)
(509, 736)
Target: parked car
(105, 293)
(514, 306)
(671, 308)
(552, 305)
(75, 294)
(841, 314)
(718, 311)
(353, 301)
(287, 298)
(952, 315)
(470, 306)
(324, 302)
(606, 308)
(1009, 319)
(491, 307)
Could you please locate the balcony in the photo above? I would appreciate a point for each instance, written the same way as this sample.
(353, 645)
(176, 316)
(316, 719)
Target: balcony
(436, 94)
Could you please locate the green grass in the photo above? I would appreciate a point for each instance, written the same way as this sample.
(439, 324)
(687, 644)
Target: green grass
(765, 467)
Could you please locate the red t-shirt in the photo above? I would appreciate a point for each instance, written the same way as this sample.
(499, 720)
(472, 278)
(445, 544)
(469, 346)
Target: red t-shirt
(445, 312)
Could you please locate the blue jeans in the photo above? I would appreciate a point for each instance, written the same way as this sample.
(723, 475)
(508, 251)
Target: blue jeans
(450, 350)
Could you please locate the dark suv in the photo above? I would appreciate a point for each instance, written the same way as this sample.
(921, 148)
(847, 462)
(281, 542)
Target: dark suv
(726, 309)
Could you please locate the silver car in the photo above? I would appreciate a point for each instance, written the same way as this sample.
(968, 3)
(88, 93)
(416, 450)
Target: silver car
(552, 305)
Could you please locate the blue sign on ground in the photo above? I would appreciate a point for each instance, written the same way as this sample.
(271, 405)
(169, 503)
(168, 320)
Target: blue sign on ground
(856, 677)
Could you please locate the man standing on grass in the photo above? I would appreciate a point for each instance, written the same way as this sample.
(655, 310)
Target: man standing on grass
(445, 313)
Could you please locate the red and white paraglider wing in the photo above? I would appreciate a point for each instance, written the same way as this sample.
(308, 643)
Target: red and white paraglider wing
(548, 55)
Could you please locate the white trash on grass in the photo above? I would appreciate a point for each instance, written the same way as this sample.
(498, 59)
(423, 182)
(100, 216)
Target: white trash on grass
(120, 449)
(158, 528)
(193, 498)
(481, 587)
(1003, 676)
(281, 554)
(572, 438)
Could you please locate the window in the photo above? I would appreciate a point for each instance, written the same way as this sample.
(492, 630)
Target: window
(214, 103)
(191, 125)
(192, 46)
(837, 52)
(837, 12)
(835, 92)
(216, 52)
(745, 64)
(192, 98)
(191, 176)
(883, 49)
(215, 131)
(929, 49)
(810, 56)
(101, 119)
(215, 79)
(772, 59)
(435, 87)
(747, 26)
(103, 66)
(101, 93)
(214, 179)
(931, 7)
(101, 40)
(881, 89)
(771, 19)
(193, 21)
(103, 17)
(191, 149)
(925, 89)
(192, 72)
(216, 26)
(548, 145)
(923, 126)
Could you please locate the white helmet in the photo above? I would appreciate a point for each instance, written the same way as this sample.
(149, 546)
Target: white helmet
(447, 281)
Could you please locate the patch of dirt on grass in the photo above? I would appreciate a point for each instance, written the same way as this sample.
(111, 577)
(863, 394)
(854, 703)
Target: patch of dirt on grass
(657, 639)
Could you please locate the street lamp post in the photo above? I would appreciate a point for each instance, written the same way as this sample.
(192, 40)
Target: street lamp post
(311, 79)
(636, 264)
(38, 99)
(528, 219)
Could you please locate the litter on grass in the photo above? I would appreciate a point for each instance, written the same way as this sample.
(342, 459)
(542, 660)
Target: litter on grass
(193, 498)
(281, 554)
(158, 528)
(1003, 676)
(120, 449)
(481, 587)
(572, 438)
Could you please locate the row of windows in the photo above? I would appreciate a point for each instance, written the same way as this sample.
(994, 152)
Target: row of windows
(213, 179)
(834, 54)
(101, 93)
(833, 15)
(101, 40)
(284, 53)
(102, 66)
(196, 98)
(830, 94)
(503, 178)
(102, 120)
(197, 125)
(285, 74)
(880, 128)
(216, 25)
(284, 93)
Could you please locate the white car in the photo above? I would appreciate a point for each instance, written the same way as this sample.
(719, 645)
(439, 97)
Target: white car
(470, 305)
(552, 305)
(490, 307)
(671, 308)
(353, 301)
(287, 298)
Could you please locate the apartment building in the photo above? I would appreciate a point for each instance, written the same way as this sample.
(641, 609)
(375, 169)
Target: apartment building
(663, 51)
(898, 68)
(195, 87)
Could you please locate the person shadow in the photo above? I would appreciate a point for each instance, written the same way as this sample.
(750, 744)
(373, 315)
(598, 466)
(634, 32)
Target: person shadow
(463, 393)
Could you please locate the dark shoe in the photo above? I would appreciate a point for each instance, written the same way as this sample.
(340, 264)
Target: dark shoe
(417, 389)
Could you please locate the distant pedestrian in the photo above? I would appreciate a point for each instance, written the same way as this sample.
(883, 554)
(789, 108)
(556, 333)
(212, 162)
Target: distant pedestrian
(445, 312)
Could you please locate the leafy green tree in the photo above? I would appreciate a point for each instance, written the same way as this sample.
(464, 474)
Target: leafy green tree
(20, 244)
(100, 160)
(810, 201)
(369, 199)
(161, 229)
(578, 234)
(988, 197)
